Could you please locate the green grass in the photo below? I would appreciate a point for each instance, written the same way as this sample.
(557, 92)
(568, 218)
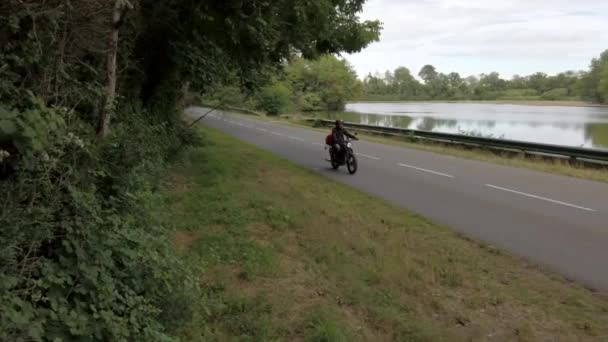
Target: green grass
(324, 325)
(287, 255)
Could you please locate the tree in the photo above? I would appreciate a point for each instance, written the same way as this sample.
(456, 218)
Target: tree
(331, 80)
(197, 41)
(592, 85)
(428, 74)
(518, 82)
(599, 71)
(491, 83)
(603, 84)
(539, 82)
(456, 85)
(406, 84)
(389, 80)
(374, 85)
(441, 87)
(436, 84)
(118, 15)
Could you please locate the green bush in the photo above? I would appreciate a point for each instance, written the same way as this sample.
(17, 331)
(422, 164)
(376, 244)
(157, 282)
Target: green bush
(518, 94)
(310, 102)
(81, 257)
(488, 96)
(555, 94)
(229, 95)
(274, 99)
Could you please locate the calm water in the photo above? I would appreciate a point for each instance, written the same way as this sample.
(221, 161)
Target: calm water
(572, 126)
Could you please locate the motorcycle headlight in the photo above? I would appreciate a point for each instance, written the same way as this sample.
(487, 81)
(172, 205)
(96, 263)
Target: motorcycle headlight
(349, 145)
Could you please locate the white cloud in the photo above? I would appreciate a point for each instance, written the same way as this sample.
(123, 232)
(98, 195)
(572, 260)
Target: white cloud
(477, 36)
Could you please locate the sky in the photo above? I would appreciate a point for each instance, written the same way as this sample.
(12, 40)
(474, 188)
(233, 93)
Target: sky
(480, 36)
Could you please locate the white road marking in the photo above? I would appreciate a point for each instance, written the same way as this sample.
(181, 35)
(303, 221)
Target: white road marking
(366, 156)
(261, 129)
(276, 133)
(425, 170)
(296, 138)
(539, 197)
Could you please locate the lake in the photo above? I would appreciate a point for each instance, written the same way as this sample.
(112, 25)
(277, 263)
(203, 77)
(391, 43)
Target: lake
(570, 126)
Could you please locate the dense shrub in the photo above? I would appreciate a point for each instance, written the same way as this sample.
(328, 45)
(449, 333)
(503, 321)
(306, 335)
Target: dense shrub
(310, 102)
(518, 94)
(555, 94)
(80, 255)
(274, 99)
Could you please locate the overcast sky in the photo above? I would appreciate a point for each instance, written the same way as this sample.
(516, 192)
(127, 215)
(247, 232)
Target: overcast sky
(480, 36)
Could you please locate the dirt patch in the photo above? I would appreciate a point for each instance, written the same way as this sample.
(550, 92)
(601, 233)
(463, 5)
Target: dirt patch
(183, 240)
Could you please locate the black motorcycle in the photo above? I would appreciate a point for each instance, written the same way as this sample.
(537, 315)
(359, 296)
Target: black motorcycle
(345, 156)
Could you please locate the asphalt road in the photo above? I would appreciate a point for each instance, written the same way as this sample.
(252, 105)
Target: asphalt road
(559, 223)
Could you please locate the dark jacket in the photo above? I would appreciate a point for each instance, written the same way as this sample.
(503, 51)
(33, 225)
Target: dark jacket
(339, 134)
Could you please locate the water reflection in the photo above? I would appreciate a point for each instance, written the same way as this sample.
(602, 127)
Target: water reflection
(597, 134)
(571, 126)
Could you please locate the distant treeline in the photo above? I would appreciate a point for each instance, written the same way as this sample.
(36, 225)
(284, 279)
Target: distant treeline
(591, 85)
(327, 83)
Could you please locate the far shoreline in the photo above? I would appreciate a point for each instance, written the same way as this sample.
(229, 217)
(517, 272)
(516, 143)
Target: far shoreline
(539, 103)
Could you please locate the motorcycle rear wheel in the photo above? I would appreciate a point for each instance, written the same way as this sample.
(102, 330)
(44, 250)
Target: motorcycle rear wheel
(334, 163)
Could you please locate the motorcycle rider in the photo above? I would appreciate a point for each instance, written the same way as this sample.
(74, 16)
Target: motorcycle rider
(339, 140)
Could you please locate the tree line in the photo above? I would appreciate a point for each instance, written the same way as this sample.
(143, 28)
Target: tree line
(91, 99)
(400, 84)
(328, 83)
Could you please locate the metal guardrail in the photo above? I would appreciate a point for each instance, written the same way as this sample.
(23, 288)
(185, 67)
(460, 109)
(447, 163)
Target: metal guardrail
(576, 153)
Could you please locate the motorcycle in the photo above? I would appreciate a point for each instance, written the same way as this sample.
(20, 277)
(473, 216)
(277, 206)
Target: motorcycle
(345, 157)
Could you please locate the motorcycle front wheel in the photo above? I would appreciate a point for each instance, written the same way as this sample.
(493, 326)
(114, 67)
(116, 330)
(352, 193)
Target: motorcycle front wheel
(351, 164)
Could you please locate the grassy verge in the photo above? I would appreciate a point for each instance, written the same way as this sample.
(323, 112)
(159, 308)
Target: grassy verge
(289, 255)
(537, 163)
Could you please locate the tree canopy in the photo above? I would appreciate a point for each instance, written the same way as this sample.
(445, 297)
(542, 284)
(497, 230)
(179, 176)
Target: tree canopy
(326, 83)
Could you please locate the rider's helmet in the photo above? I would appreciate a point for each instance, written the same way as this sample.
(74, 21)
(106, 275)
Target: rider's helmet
(339, 123)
